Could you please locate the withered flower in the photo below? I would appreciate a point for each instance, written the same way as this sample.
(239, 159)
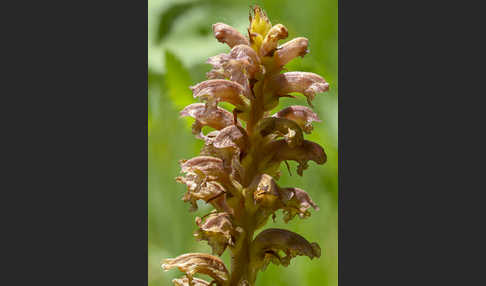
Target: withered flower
(218, 230)
(192, 263)
(296, 201)
(239, 164)
(270, 197)
(267, 245)
(184, 281)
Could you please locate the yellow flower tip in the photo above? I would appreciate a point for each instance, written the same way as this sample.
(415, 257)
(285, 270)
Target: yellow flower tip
(259, 22)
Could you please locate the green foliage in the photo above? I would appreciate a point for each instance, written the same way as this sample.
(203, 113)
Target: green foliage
(178, 81)
(180, 41)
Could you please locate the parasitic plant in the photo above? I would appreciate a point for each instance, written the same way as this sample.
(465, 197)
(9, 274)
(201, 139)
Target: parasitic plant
(238, 166)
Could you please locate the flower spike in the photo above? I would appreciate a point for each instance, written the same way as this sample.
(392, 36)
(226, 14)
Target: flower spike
(239, 163)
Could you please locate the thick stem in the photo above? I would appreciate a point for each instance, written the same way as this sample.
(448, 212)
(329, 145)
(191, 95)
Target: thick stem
(240, 263)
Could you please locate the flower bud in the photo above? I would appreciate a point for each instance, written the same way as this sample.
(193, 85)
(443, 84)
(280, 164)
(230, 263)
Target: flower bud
(276, 33)
(290, 50)
(226, 34)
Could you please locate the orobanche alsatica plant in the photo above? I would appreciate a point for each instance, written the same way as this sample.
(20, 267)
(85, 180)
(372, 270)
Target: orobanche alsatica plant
(238, 166)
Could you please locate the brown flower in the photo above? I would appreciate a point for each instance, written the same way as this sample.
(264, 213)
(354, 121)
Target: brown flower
(281, 127)
(290, 50)
(192, 263)
(217, 229)
(279, 151)
(237, 168)
(307, 83)
(268, 243)
(302, 115)
(215, 90)
(217, 118)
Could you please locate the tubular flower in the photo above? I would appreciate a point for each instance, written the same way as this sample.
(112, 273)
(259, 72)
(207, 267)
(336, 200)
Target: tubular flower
(239, 164)
(290, 50)
(303, 82)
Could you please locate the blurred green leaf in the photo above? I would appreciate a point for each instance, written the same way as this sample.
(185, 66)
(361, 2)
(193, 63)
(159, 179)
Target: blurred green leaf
(177, 81)
(169, 16)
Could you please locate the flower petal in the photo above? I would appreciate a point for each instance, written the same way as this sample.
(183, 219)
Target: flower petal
(215, 90)
(302, 115)
(281, 151)
(192, 263)
(226, 34)
(303, 82)
(290, 50)
(248, 56)
(209, 166)
(276, 33)
(217, 118)
(268, 244)
(218, 230)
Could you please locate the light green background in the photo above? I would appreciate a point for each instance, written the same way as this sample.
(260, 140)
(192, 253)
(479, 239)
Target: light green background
(176, 61)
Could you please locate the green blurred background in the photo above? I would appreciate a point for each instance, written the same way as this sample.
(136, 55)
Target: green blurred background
(179, 42)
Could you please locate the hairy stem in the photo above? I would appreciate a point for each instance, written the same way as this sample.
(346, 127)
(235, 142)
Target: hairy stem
(240, 259)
